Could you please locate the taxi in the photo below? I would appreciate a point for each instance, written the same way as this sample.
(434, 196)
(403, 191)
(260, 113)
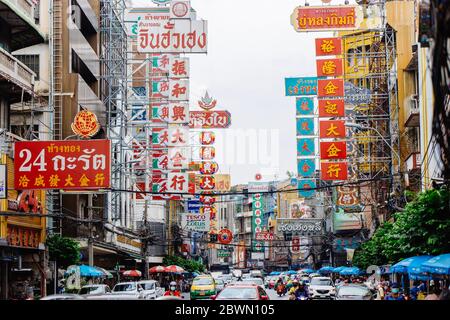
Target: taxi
(203, 287)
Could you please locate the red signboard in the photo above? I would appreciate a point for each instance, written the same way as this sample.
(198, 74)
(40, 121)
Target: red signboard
(324, 18)
(295, 244)
(330, 88)
(67, 165)
(331, 108)
(328, 46)
(334, 170)
(207, 138)
(209, 119)
(333, 150)
(330, 68)
(332, 129)
(208, 167)
(225, 236)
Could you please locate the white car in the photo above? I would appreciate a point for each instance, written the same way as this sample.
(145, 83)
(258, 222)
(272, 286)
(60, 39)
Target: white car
(129, 288)
(94, 289)
(152, 289)
(321, 288)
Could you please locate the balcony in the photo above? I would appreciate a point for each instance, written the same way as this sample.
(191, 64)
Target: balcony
(20, 16)
(414, 161)
(15, 72)
(412, 114)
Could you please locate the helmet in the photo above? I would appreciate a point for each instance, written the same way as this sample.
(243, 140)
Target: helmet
(173, 283)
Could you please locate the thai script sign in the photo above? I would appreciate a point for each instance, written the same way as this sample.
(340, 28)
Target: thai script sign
(301, 86)
(326, 18)
(210, 119)
(264, 236)
(62, 165)
(301, 227)
(179, 36)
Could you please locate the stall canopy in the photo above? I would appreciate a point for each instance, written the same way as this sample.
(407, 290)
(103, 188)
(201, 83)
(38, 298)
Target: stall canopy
(437, 265)
(274, 273)
(412, 266)
(353, 271)
(85, 271)
(325, 270)
(308, 271)
(338, 269)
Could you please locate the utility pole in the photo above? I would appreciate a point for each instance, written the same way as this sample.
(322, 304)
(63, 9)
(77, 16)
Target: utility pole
(91, 233)
(145, 240)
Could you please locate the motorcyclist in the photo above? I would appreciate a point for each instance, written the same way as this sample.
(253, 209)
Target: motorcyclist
(298, 290)
(173, 290)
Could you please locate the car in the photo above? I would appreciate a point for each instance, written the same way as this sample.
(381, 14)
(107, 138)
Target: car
(169, 298)
(94, 289)
(242, 292)
(152, 289)
(203, 287)
(226, 278)
(321, 288)
(112, 297)
(313, 275)
(65, 296)
(256, 274)
(256, 281)
(246, 276)
(219, 284)
(129, 288)
(353, 292)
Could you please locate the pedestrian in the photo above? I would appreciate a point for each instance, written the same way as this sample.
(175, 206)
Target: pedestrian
(395, 295)
(445, 294)
(434, 293)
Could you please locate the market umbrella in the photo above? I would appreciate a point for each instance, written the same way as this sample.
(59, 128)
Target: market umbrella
(174, 269)
(437, 265)
(325, 270)
(106, 273)
(195, 274)
(274, 273)
(132, 273)
(85, 271)
(157, 269)
(308, 271)
(338, 269)
(350, 271)
(411, 266)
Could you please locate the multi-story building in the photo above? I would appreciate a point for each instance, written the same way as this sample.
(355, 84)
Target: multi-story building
(23, 96)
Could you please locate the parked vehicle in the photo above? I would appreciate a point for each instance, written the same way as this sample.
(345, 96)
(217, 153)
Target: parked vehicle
(219, 284)
(152, 289)
(242, 292)
(203, 287)
(65, 296)
(354, 292)
(129, 288)
(94, 289)
(321, 288)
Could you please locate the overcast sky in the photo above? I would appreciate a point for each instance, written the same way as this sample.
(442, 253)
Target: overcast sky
(252, 48)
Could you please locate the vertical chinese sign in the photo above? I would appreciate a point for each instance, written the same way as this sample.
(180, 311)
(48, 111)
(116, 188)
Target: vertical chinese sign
(332, 130)
(257, 208)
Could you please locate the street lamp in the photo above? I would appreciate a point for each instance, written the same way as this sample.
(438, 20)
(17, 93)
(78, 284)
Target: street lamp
(360, 127)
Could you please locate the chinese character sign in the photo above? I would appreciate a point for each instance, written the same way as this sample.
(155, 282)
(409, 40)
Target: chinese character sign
(331, 88)
(304, 106)
(306, 167)
(62, 165)
(178, 113)
(306, 147)
(178, 158)
(305, 126)
(334, 171)
(330, 68)
(332, 129)
(333, 150)
(257, 206)
(301, 86)
(328, 46)
(306, 188)
(331, 108)
(178, 136)
(178, 182)
(179, 67)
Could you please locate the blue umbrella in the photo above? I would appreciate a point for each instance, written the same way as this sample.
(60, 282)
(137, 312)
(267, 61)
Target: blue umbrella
(274, 273)
(437, 265)
(411, 266)
(325, 270)
(308, 271)
(195, 274)
(290, 272)
(85, 271)
(338, 269)
(353, 271)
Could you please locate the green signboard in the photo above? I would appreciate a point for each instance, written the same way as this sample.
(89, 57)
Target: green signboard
(258, 209)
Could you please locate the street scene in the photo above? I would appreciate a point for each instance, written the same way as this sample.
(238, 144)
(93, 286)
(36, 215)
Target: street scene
(225, 150)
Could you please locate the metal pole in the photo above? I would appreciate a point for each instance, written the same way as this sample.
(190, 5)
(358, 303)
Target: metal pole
(91, 235)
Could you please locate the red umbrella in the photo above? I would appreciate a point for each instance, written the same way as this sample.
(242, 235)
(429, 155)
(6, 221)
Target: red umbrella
(174, 269)
(157, 269)
(132, 273)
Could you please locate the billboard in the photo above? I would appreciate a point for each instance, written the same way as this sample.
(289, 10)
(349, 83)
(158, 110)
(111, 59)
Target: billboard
(195, 222)
(67, 165)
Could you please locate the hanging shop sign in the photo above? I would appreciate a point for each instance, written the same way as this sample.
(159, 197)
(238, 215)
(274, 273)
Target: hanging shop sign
(85, 124)
(160, 113)
(208, 200)
(223, 253)
(330, 88)
(178, 113)
(257, 207)
(332, 129)
(306, 168)
(306, 188)
(330, 68)
(306, 147)
(302, 227)
(23, 237)
(218, 119)
(333, 150)
(172, 90)
(176, 36)
(160, 187)
(304, 106)
(333, 171)
(207, 153)
(264, 236)
(210, 211)
(178, 136)
(223, 183)
(3, 182)
(180, 9)
(178, 182)
(178, 158)
(209, 167)
(331, 108)
(326, 18)
(160, 160)
(305, 126)
(348, 197)
(195, 222)
(67, 165)
(207, 138)
(225, 236)
(295, 244)
(207, 183)
(193, 206)
(328, 46)
(306, 86)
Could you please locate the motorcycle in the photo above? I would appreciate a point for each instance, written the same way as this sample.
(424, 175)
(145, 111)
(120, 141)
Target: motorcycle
(281, 290)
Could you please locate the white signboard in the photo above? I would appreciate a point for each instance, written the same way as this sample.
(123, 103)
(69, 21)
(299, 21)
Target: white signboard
(178, 182)
(178, 136)
(176, 36)
(179, 113)
(179, 67)
(195, 222)
(178, 158)
(3, 182)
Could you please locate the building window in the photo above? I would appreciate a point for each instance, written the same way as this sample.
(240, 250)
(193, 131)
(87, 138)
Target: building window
(31, 61)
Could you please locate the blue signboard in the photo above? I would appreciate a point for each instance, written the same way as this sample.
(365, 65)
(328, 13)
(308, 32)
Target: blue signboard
(305, 126)
(194, 206)
(304, 186)
(306, 86)
(306, 167)
(304, 106)
(306, 147)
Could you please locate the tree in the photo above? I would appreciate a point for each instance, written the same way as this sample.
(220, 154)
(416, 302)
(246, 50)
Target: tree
(63, 250)
(422, 228)
(188, 265)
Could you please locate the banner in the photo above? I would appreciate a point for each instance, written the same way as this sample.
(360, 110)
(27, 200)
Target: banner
(67, 165)
(306, 147)
(306, 168)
